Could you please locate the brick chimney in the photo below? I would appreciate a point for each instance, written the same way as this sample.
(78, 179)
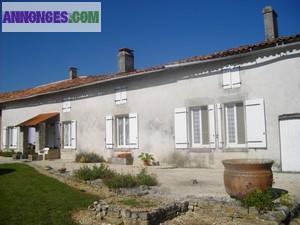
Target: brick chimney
(125, 60)
(72, 73)
(270, 21)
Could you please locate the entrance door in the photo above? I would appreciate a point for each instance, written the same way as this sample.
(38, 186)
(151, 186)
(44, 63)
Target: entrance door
(290, 142)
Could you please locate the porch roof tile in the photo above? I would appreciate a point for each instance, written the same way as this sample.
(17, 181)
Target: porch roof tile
(38, 119)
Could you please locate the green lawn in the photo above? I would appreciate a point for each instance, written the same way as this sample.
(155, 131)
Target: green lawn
(30, 198)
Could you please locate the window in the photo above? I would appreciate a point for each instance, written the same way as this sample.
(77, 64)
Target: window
(198, 131)
(69, 134)
(122, 131)
(121, 95)
(235, 125)
(231, 77)
(10, 137)
(200, 127)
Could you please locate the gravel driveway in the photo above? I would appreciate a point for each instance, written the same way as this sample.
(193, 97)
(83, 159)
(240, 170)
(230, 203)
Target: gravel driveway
(177, 183)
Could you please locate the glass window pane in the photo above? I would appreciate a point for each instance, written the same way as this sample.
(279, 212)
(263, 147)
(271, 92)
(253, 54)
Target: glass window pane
(196, 125)
(231, 124)
(127, 130)
(120, 131)
(67, 136)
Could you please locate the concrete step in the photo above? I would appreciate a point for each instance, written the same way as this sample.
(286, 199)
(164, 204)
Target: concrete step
(68, 155)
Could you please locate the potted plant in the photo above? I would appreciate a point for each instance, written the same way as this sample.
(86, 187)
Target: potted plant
(146, 158)
(17, 155)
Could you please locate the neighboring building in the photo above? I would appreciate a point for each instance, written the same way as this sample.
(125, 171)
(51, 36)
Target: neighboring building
(204, 108)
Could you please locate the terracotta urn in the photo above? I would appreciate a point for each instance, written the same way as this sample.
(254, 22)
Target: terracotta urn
(241, 176)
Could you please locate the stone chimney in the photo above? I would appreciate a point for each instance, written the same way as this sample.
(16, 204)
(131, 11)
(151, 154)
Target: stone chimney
(72, 73)
(270, 21)
(125, 60)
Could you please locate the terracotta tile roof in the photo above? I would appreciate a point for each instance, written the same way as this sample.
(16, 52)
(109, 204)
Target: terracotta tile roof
(84, 81)
(38, 119)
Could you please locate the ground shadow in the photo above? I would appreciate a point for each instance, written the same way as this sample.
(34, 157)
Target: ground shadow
(277, 192)
(5, 171)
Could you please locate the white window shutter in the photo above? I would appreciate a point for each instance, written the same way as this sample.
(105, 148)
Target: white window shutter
(235, 77)
(219, 125)
(109, 132)
(4, 138)
(66, 106)
(255, 122)
(212, 133)
(133, 130)
(118, 96)
(226, 79)
(124, 95)
(181, 131)
(15, 137)
(73, 134)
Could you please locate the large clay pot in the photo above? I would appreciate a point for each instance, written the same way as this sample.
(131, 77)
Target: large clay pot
(244, 175)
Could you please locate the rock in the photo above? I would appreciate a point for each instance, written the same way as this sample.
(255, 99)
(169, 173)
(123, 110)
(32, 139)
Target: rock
(144, 215)
(91, 208)
(97, 182)
(48, 167)
(62, 170)
(194, 181)
(126, 213)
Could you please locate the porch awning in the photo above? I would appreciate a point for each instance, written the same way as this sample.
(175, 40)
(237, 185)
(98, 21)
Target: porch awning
(38, 119)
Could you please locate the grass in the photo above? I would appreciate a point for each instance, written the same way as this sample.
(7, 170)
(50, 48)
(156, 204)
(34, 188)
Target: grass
(30, 198)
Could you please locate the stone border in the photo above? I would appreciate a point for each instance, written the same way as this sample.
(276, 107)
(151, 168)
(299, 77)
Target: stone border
(135, 216)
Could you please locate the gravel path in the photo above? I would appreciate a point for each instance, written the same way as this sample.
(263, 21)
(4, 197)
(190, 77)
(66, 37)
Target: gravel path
(177, 183)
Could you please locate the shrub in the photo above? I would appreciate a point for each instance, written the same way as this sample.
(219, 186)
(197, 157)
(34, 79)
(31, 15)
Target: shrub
(286, 200)
(115, 180)
(143, 178)
(261, 200)
(129, 181)
(121, 181)
(85, 157)
(96, 172)
(6, 153)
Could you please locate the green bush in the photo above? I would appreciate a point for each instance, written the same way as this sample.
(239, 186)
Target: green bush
(143, 178)
(129, 181)
(96, 172)
(115, 180)
(86, 157)
(6, 153)
(121, 181)
(286, 200)
(261, 200)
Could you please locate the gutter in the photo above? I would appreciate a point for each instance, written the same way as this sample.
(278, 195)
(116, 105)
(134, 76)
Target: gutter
(233, 56)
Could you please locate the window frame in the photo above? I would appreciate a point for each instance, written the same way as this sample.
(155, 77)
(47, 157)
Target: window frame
(235, 144)
(192, 138)
(10, 136)
(121, 91)
(69, 122)
(123, 117)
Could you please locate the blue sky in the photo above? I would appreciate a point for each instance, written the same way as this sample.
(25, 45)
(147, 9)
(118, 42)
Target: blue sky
(159, 32)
